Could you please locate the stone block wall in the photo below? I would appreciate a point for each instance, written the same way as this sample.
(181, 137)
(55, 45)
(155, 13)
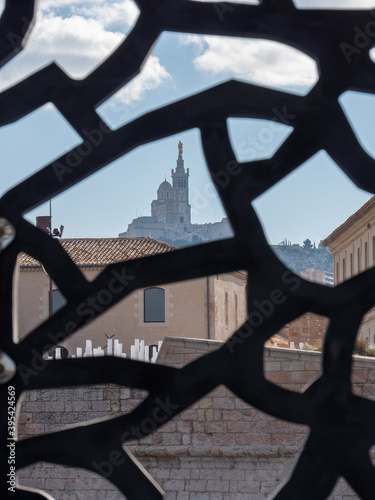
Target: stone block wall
(219, 449)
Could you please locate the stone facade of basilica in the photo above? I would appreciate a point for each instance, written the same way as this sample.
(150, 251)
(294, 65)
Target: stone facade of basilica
(170, 218)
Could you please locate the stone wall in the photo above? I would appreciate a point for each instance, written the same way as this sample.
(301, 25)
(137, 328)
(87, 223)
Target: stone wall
(220, 449)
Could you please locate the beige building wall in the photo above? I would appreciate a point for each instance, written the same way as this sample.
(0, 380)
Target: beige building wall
(229, 299)
(32, 301)
(353, 248)
(186, 311)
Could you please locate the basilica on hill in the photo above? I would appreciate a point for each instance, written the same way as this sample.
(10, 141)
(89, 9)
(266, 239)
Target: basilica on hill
(170, 219)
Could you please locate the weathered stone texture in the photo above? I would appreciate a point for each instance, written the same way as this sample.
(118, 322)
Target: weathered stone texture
(309, 329)
(220, 449)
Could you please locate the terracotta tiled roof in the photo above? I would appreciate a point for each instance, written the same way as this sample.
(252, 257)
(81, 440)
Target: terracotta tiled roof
(100, 252)
(353, 218)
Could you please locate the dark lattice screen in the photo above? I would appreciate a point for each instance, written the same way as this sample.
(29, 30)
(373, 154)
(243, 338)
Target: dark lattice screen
(342, 426)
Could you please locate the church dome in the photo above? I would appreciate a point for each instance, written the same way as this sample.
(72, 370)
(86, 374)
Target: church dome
(165, 191)
(165, 186)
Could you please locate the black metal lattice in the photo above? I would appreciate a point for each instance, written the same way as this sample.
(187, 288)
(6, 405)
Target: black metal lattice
(342, 428)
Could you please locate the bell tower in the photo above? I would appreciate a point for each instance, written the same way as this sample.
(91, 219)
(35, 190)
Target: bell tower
(180, 180)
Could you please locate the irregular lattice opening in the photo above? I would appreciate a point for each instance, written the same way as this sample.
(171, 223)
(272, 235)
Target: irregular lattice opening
(256, 139)
(40, 136)
(342, 488)
(45, 411)
(138, 196)
(261, 62)
(305, 217)
(38, 297)
(141, 321)
(292, 356)
(77, 37)
(359, 108)
(182, 64)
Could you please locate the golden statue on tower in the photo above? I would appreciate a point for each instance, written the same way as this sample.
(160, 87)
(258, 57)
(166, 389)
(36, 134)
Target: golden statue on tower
(180, 145)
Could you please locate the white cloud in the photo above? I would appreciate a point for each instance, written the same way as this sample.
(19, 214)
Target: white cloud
(75, 43)
(117, 13)
(79, 43)
(54, 4)
(259, 61)
(153, 75)
(80, 37)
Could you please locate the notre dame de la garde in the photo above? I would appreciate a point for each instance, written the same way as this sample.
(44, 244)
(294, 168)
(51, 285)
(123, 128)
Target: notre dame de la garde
(170, 219)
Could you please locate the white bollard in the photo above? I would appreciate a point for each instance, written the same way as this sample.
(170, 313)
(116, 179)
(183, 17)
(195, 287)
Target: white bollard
(109, 347)
(292, 345)
(98, 351)
(141, 350)
(117, 348)
(88, 350)
(136, 347)
(133, 354)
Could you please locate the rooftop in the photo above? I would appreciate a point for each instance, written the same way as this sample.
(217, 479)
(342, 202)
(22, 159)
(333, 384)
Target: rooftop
(349, 221)
(100, 252)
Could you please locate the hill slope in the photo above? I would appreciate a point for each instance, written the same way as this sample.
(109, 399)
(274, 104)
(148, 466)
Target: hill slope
(299, 259)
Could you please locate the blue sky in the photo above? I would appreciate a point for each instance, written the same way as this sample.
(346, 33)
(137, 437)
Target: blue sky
(310, 203)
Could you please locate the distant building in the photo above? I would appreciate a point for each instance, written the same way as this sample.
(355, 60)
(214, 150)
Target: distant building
(205, 308)
(353, 247)
(170, 218)
(318, 276)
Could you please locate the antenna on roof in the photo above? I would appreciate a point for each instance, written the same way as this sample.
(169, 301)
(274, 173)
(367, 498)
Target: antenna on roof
(44, 222)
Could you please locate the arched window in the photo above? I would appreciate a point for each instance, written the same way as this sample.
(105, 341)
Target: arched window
(154, 305)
